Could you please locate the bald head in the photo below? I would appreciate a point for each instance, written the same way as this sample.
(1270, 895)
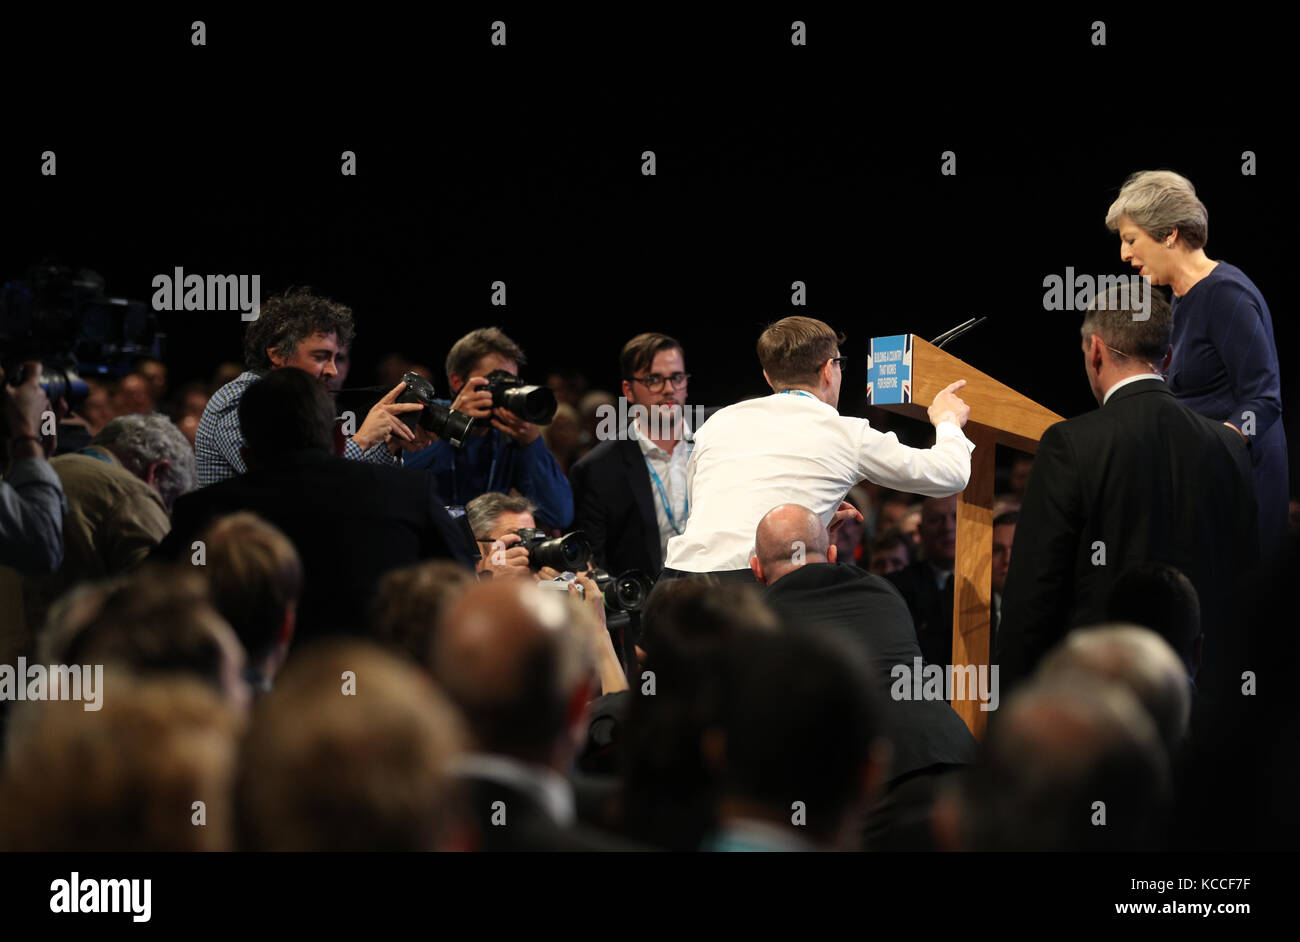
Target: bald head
(788, 536)
(508, 654)
(1136, 658)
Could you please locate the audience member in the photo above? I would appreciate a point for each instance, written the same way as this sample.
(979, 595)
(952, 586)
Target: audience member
(255, 577)
(352, 751)
(350, 521)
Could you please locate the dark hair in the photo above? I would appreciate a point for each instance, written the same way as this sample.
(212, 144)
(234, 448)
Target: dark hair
(639, 352)
(888, 540)
(160, 621)
(474, 346)
(799, 721)
(794, 348)
(1007, 518)
(255, 575)
(688, 625)
(409, 602)
(1117, 315)
(1159, 597)
(286, 410)
(288, 319)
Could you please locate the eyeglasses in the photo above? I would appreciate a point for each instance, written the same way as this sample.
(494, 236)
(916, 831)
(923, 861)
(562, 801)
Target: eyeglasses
(841, 361)
(654, 382)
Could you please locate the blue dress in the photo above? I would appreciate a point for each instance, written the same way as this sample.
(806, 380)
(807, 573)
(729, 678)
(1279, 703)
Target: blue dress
(1225, 367)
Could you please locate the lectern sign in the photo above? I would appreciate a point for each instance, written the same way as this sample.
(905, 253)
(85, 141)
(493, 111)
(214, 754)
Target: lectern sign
(889, 375)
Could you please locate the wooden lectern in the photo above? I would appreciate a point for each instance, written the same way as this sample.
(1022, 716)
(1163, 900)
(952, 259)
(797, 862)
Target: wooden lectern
(998, 416)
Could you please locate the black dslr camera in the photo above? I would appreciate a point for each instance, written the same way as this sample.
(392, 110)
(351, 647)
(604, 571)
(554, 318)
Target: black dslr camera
(563, 553)
(531, 403)
(624, 593)
(448, 424)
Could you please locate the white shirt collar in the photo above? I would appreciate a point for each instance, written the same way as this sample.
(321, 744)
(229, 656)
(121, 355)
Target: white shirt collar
(1129, 379)
(547, 787)
(648, 447)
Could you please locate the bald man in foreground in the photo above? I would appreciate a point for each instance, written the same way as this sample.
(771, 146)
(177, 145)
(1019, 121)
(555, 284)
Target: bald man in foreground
(795, 559)
(519, 662)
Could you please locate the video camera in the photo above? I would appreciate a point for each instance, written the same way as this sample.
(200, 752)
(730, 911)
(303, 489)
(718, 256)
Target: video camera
(449, 425)
(531, 403)
(63, 319)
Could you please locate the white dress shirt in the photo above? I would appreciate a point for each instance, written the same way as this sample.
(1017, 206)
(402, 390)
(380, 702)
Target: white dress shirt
(794, 448)
(672, 477)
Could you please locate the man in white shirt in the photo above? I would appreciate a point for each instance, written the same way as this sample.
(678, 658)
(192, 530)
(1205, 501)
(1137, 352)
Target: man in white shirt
(795, 447)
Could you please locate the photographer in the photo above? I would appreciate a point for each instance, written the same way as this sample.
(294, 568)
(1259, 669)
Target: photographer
(510, 453)
(31, 499)
(312, 334)
(497, 518)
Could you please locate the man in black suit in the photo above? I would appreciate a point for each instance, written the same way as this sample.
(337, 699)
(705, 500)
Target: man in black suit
(926, 585)
(514, 658)
(350, 521)
(806, 586)
(1142, 479)
(630, 492)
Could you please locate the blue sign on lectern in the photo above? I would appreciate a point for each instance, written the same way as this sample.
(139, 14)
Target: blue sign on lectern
(889, 375)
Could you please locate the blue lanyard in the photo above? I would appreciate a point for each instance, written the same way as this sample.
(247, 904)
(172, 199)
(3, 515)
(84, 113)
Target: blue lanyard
(668, 508)
(455, 477)
(796, 392)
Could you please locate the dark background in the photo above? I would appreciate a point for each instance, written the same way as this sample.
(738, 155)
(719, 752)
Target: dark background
(775, 163)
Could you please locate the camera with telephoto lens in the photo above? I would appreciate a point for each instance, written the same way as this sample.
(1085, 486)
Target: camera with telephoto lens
(569, 552)
(623, 593)
(531, 403)
(450, 425)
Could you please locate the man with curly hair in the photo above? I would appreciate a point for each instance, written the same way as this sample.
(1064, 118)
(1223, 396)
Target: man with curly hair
(311, 333)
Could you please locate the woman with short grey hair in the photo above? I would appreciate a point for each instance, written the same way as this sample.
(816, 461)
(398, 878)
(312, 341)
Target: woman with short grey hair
(1224, 361)
(153, 449)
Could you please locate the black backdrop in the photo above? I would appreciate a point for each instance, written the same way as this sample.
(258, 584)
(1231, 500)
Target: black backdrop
(775, 163)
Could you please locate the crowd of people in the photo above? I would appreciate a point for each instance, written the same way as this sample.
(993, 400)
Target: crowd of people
(252, 622)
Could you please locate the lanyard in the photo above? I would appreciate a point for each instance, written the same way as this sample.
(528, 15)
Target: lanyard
(455, 477)
(796, 392)
(668, 508)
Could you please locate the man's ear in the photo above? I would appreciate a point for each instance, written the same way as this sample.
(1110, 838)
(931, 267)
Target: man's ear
(627, 390)
(455, 381)
(276, 360)
(1168, 358)
(757, 569)
(832, 553)
(151, 472)
(768, 379)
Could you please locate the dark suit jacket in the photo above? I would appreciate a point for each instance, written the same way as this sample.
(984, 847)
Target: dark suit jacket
(931, 609)
(614, 507)
(1144, 479)
(350, 521)
(870, 613)
(528, 827)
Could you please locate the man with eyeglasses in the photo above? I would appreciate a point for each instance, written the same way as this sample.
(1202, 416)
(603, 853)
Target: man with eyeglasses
(795, 447)
(630, 494)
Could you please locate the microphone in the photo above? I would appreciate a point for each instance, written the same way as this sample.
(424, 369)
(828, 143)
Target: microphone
(957, 331)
